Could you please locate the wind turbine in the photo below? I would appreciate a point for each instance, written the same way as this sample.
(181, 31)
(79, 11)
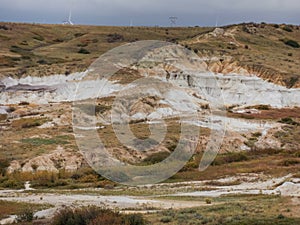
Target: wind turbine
(217, 20)
(173, 20)
(70, 17)
(69, 22)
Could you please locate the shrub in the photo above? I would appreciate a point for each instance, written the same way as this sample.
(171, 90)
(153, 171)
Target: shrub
(111, 38)
(3, 27)
(166, 219)
(276, 26)
(208, 201)
(42, 62)
(83, 51)
(230, 158)
(289, 162)
(39, 38)
(93, 216)
(291, 81)
(292, 43)
(287, 28)
(91, 178)
(134, 219)
(25, 216)
(288, 120)
(257, 134)
(24, 103)
(45, 179)
(156, 158)
(12, 183)
(263, 107)
(28, 122)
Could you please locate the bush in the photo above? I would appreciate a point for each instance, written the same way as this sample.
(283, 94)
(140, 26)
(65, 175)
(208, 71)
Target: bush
(166, 219)
(292, 43)
(289, 121)
(93, 216)
(276, 26)
(291, 81)
(111, 38)
(25, 216)
(83, 51)
(42, 62)
(289, 162)
(156, 158)
(263, 107)
(3, 27)
(208, 201)
(133, 219)
(287, 28)
(230, 158)
(28, 122)
(39, 38)
(12, 184)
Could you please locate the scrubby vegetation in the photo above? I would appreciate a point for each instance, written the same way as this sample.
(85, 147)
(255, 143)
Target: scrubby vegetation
(28, 122)
(111, 38)
(231, 210)
(95, 216)
(83, 51)
(24, 211)
(84, 177)
(292, 43)
(59, 140)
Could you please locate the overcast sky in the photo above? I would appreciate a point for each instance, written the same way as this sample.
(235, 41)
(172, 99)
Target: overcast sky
(151, 12)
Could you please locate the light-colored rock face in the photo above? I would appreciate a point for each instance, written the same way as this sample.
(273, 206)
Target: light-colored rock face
(52, 162)
(14, 166)
(227, 89)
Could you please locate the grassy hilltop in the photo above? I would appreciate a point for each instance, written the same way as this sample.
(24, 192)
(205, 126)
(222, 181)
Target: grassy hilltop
(268, 50)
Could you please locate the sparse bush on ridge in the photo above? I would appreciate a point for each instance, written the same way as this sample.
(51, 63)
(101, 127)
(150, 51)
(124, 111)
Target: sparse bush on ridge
(3, 27)
(111, 38)
(292, 43)
(287, 28)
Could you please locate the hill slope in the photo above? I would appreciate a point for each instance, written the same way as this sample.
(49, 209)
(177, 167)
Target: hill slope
(269, 51)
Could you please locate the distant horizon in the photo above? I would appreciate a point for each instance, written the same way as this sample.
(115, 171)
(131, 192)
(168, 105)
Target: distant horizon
(162, 26)
(151, 13)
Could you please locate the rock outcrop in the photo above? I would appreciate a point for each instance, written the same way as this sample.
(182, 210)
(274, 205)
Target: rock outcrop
(60, 159)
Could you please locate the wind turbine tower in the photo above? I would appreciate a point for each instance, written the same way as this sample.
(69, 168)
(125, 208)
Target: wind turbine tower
(70, 18)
